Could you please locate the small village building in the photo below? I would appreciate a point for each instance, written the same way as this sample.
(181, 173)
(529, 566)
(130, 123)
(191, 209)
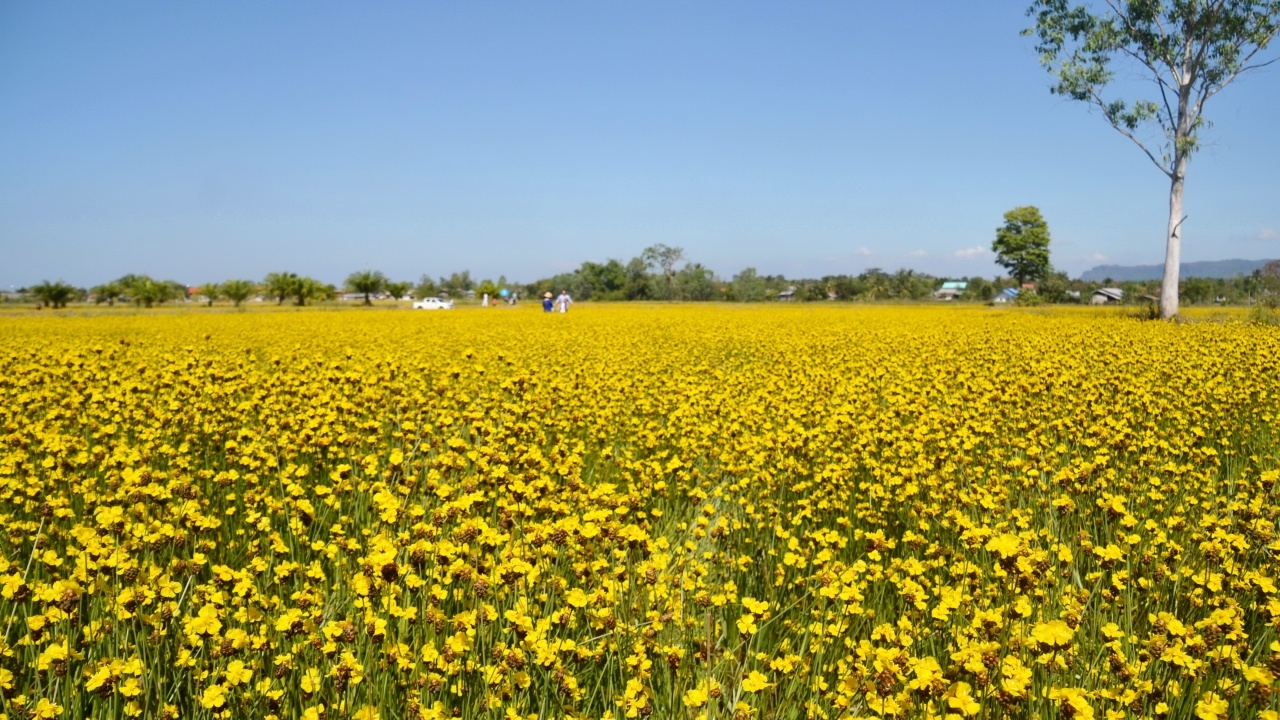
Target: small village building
(1106, 296)
(787, 295)
(1006, 295)
(950, 290)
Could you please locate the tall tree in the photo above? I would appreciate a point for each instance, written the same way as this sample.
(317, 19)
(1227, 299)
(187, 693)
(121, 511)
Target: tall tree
(308, 288)
(55, 295)
(211, 292)
(665, 258)
(108, 292)
(426, 288)
(398, 289)
(1189, 49)
(146, 291)
(1022, 244)
(747, 286)
(237, 291)
(366, 282)
(281, 285)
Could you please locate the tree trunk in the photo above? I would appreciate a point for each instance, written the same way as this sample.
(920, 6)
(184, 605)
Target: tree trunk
(1173, 244)
(1177, 178)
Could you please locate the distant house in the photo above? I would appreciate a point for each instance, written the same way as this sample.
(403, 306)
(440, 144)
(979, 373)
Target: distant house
(787, 295)
(1006, 295)
(1106, 296)
(950, 290)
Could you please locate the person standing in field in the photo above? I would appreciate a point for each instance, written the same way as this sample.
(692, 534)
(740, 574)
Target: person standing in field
(546, 302)
(564, 301)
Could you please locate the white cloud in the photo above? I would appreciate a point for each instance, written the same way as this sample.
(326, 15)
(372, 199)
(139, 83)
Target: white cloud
(917, 253)
(1267, 233)
(864, 251)
(971, 252)
(1096, 257)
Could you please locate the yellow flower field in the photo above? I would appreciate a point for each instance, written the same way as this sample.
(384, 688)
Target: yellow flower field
(630, 511)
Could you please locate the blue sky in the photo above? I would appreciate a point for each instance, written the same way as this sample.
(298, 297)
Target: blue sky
(204, 141)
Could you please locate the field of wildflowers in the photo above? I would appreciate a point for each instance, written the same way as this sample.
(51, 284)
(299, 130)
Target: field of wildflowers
(677, 512)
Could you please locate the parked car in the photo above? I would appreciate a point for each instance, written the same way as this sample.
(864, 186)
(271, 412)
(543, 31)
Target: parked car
(432, 303)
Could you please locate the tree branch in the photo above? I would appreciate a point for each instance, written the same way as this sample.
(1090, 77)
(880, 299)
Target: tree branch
(1213, 88)
(1102, 105)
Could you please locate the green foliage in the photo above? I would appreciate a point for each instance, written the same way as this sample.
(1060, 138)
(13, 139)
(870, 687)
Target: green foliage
(664, 258)
(285, 285)
(1022, 244)
(237, 291)
(1029, 298)
(148, 292)
(696, 283)
(458, 283)
(367, 282)
(210, 292)
(55, 295)
(398, 289)
(309, 289)
(426, 288)
(747, 286)
(1190, 49)
(107, 292)
(1053, 287)
(280, 285)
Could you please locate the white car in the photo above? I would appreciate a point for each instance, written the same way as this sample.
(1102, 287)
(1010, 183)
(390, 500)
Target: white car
(432, 303)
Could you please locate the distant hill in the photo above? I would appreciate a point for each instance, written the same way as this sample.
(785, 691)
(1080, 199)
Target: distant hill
(1207, 269)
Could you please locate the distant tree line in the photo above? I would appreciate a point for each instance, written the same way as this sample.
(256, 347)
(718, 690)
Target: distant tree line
(659, 273)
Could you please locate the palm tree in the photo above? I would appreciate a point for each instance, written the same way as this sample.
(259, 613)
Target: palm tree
(367, 282)
(210, 291)
(147, 292)
(398, 290)
(55, 295)
(281, 285)
(310, 289)
(237, 291)
(110, 292)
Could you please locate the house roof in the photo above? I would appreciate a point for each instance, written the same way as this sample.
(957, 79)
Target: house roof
(1113, 293)
(955, 285)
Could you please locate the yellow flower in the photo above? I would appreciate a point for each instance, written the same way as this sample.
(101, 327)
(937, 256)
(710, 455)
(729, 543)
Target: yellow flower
(213, 697)
(960, 697)
(55, 653)
(577, 598)
(1258, 674)
(205, 622)
(130, 688)
(1006, 545)
(1054, 633)
(695, 698)
(310, 681)
(1015, 677)
(755, 682)
(45, 709)
(1074, 702)
(237, 673)
(1211, 707)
